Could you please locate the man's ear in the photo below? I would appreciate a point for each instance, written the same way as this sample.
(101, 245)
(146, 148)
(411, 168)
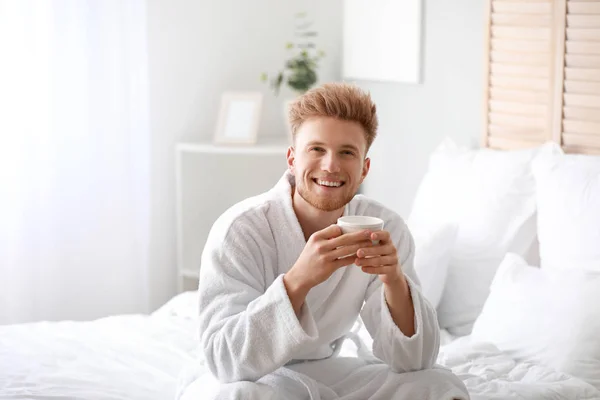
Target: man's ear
(291, 157)
(365, 169)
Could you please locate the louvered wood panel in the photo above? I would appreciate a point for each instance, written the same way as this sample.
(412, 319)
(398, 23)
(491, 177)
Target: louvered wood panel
(519, 73)
(581, 97)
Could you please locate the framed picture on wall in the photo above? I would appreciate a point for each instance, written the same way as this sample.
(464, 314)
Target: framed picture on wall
(239, 118)
(382, 40)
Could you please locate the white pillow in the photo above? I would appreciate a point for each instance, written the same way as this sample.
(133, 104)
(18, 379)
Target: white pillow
(568, 202)
(432, 255)
(549, 316)
(490, 195)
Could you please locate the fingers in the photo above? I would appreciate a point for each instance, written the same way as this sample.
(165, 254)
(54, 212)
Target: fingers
(342, 262)
(381, 270)
(332, 231)
(348, 239)
(351, 249)
(377, 261)
(382, 236)
(377, 250)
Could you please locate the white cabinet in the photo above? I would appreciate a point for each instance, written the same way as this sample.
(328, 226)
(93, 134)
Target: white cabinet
(209, 180)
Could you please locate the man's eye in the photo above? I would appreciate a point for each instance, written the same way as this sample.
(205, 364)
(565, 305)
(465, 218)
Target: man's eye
(319, 149)
(348, 153)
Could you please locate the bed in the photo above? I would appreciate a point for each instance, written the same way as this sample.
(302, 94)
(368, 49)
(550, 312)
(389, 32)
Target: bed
(151, 357)
(118, 357)
(511, 329)
(513, 273)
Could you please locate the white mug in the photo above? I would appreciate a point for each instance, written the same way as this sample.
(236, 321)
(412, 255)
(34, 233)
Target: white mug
(355, 223)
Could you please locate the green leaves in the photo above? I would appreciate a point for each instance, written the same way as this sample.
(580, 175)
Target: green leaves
(300, 69)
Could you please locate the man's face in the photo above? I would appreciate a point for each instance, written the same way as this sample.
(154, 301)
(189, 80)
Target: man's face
(328, 161)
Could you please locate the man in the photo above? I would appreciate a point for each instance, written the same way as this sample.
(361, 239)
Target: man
(278, 292)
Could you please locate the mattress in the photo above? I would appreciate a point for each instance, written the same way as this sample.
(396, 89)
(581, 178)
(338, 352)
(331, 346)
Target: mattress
(152, 356)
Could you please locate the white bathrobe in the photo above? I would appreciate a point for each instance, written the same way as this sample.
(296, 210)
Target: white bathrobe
(257, 347)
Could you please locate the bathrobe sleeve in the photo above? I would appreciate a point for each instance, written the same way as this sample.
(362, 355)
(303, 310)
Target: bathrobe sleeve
(248, 327)
(390, 345)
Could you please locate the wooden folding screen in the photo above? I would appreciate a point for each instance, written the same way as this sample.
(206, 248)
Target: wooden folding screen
(542, 71)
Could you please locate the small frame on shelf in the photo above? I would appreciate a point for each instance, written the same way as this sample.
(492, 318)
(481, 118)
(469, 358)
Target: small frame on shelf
(239, 118)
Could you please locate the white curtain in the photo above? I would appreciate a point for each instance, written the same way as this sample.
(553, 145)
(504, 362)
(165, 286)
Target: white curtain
(74, 159)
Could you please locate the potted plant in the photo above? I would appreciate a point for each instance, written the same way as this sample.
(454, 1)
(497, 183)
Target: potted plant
(299, 71)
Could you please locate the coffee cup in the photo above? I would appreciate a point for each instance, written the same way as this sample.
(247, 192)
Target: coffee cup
(355, 223)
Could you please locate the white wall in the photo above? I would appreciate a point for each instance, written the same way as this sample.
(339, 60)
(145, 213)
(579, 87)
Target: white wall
(415, 118)
(200, 48)
(197, 50)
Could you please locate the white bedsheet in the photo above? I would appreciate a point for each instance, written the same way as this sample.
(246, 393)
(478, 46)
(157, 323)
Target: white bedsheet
(490, 374)
(118, 358)
(144, 357)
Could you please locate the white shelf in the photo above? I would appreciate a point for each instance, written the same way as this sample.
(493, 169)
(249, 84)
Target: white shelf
(209, 179)
(190, 274)
(267, 148)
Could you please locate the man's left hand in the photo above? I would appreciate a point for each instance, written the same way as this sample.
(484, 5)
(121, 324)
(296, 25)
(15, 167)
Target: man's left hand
(381, 259)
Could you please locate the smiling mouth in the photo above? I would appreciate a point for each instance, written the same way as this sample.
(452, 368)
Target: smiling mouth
(328, 184)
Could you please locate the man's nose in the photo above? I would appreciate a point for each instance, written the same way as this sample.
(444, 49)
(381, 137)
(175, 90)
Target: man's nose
(330, 163)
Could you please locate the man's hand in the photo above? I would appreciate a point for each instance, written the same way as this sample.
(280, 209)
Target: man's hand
(325, 252)
(382, 259)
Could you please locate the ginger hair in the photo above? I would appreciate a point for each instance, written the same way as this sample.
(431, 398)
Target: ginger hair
(337, 100)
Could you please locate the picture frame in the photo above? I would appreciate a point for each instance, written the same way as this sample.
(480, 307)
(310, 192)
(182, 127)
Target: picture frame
(239, 118)
(383, 40)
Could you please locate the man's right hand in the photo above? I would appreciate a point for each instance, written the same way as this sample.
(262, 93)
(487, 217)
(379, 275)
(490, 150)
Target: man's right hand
(325, 252)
